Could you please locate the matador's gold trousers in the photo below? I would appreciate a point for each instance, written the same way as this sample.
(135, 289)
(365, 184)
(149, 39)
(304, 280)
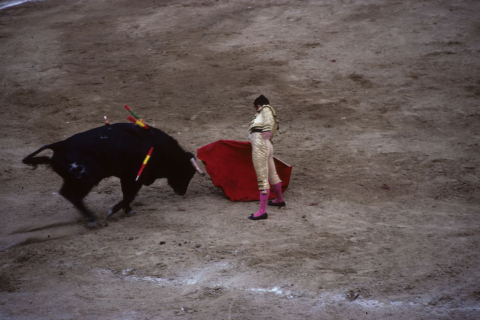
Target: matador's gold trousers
(262, 155)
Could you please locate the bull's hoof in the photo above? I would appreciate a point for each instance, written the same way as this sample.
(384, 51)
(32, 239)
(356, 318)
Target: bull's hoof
(130, 213)
(92, 224)
(114, 209)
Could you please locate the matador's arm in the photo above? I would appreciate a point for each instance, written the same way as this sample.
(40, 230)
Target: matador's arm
(268, 120)
(268, 123)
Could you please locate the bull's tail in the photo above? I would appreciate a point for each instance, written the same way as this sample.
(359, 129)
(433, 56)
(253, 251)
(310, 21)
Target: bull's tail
(33, 161)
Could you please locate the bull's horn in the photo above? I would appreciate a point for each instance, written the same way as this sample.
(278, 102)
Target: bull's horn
(195, 165)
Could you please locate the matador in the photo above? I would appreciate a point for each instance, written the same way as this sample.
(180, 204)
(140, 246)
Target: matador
(262, 129)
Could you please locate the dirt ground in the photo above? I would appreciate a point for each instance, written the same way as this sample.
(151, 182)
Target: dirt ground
(379, 108)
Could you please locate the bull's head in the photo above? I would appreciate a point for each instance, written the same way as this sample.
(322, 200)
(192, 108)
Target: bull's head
(180, 181)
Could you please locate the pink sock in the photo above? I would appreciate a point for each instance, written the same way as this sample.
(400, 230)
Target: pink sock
(263, 203)
(278, 193)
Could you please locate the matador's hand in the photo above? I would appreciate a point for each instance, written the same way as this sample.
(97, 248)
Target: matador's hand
(267, 135)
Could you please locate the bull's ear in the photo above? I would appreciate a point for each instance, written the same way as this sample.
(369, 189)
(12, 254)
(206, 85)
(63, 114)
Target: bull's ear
(195, 165)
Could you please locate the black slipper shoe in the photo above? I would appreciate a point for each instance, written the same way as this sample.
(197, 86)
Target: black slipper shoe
(273, 204)
(263, 216)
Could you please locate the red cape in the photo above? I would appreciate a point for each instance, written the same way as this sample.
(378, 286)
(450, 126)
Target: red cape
(229, 164)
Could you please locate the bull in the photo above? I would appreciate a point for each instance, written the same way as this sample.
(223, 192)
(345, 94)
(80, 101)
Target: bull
(118, 150)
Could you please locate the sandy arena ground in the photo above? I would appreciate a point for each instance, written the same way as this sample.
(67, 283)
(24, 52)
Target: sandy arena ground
(379, 103)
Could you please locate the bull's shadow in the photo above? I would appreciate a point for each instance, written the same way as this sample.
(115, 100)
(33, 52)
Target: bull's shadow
(51, 230)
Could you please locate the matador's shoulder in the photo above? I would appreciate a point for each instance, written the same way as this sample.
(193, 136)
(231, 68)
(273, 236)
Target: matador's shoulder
(268, 107)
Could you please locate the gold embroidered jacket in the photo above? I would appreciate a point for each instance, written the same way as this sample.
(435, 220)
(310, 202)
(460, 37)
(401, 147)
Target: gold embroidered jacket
(265, 119)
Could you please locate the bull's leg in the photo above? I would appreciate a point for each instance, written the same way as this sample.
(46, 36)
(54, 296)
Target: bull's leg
(129, 189)
(74, 191)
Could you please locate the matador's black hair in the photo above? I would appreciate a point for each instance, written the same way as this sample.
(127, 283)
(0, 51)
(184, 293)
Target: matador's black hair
(260, 101)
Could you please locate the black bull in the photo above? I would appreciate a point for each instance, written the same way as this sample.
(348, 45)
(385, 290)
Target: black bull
(119, 150)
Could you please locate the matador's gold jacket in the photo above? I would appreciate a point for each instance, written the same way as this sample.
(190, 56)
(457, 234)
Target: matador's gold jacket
(265, 119)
